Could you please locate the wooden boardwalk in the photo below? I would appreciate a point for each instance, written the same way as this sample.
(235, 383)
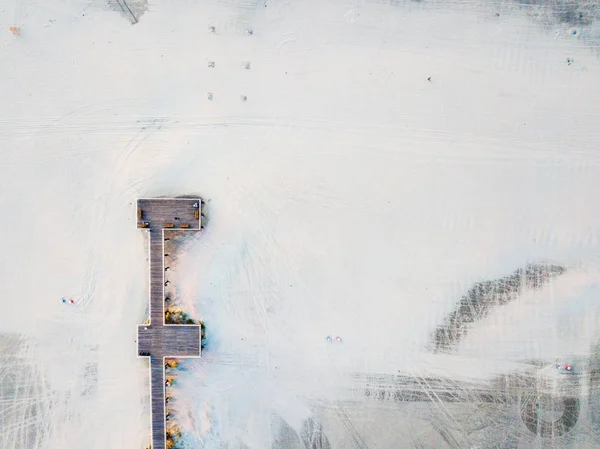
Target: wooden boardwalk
(158, 340)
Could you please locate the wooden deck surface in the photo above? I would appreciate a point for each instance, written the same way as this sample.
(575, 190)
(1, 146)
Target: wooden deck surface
(175, 340)
(157, 275)
(157, 401)
(157, 340)
(161, 213)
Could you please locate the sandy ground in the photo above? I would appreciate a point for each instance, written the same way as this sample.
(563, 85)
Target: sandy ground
(346, 195)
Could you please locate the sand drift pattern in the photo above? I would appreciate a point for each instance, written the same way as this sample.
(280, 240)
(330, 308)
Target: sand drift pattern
(544, 415)
(313, 436)
(484, 296)
(534, 407)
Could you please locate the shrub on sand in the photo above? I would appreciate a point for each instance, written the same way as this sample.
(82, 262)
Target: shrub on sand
(171, 363)
(178, 316)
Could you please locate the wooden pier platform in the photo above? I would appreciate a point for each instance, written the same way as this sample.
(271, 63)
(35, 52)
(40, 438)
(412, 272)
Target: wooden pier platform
(158, 340)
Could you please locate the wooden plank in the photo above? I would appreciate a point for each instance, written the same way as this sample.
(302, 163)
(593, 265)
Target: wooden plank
(158, 340)
(160, 212)
(170, 341)
(157, 378)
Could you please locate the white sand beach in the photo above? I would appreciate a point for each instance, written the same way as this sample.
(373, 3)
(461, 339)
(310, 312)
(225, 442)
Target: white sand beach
(363, 164)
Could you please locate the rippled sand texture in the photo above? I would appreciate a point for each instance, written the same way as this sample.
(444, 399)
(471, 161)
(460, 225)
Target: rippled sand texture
(417, 178)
